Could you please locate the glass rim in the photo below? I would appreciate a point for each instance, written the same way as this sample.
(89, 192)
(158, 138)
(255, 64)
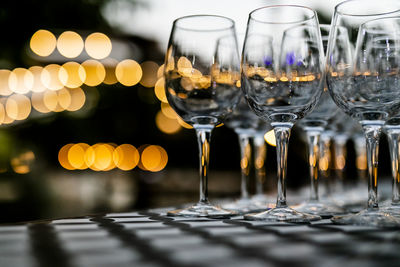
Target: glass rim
(362, 25)
(282, 23)
(230, 26)
(338, 6)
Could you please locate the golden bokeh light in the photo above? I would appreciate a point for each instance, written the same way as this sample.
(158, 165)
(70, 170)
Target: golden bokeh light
(76, 156)
(183, 123)
(110, 65)
(126, 157)
(159, 90)
(38, 103)
(63, 157)
(21, 163)
(64, 98)
(72, 74)
(20, 80)
(154, 158)
(78, 99)
(168, 111)
(50, 100)
(128, 72)
(43, 43)
(167, 125)
(160, 72)
(270, 138)
(95, 72)
(149, 77)
(38, 86)
(50, 78)
(100, 157)
(98, 45)
(70, 44)
(2, 113)
(18, 107)
(4, 84)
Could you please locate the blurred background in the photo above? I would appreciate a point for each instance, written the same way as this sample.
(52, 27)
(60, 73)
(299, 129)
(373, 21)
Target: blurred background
(85, 126)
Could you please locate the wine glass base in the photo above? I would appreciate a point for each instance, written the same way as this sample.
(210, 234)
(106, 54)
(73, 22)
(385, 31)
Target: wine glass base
(325, 210)
(285, 214)
(245, 205)
(375, 218)
(392, 209)
(202, 210)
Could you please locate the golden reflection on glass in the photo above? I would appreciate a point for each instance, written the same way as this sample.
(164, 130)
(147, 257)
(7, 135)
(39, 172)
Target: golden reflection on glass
(361, 162)
(270, 138)
(76, 156)
(159, 90)
(167, 125)
(18, 107)
(184, 124)
(63, 157)
(70, 44)
(72, 74)
(43, 43)
(4, 85)
(95, 72)
(38, 86)
(50, 78)
(98, 45)
(38, 103)
(160, 71)
(78, 99)
(149, 77)
(128, 72)
(20, 81)
(126, 157)
(168, 111)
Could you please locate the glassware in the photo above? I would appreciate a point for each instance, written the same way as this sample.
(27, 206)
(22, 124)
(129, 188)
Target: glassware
(362, 90)
(313, 125)
(202, 82)
(282, 80)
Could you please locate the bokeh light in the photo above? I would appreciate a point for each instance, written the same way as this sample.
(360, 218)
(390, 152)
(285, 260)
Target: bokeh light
(128, 72)
(76, 156)
(126, 157)
(63, 157)
(50, 77)
(98, 45)
(110, 65)
(4, 85)
(167, 125)
(38, 103)
(70, 44)
(72, 74)
(270, 138)
(20, 81)
(149, 77)
(21, 164)
(153, 158)
(18, 107)
(95, 72)
(78, 99)
(159, 90)
(43, 43)
(38, 86)
(168, 111)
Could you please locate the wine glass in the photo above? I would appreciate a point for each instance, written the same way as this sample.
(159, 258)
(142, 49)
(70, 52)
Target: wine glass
(362, 91)
(282, 81)
(313, 125)
(202, 78)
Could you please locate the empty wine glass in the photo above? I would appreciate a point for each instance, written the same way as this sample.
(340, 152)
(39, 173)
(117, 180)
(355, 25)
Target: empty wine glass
(282, 80)
(362, 90)
(202, 84)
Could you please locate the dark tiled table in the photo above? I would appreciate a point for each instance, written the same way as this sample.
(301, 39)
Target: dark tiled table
(149, 238)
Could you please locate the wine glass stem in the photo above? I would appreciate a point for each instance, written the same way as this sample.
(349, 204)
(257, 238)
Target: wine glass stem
(313, 137)
(372, 134)
(394, 139)
(245, 155)
(260, 150)
(282, 134)
(203, 139)
(325, 163)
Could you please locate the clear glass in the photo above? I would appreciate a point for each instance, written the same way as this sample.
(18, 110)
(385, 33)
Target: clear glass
(313, 125)
(202, 78)
(282, 79)
(362, 89)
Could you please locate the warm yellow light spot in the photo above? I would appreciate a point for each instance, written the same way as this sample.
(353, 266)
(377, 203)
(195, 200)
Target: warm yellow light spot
(4, 84)
(70, 44)
(50, 77)
(21, 163)
(284, 79)
(99, 157)
(340, 162)
(126, 157)
(38, 104)
(154, 158)
(184, 67)
(2, 113)
(98, 45)
(159, 90)
(323, 163)
(361, 162)
(168, 111)
(270, 79)
(183, 123)
(18, 107)
(76, 156)
(187, 84)
(43, 43)
(110, 65)
(270, 138)
(149, 77)
(64, 98)
(128, 72)
(167, 125)
(20, 81)
(63, 157)
(72, 74)
(95, 72)
(160, 71)
(78, 99)
(38, 86)
(50, 100)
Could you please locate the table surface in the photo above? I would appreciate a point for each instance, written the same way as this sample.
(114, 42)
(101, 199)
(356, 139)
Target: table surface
(150, 238)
